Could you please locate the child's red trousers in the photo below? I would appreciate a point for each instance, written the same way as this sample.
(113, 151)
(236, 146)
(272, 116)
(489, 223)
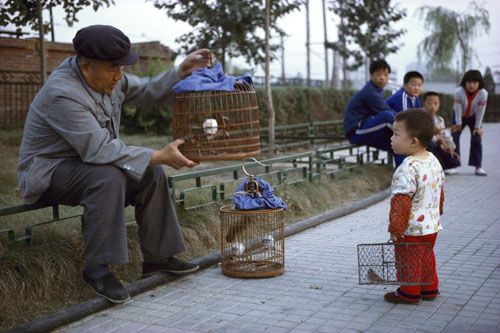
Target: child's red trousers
(417, 267)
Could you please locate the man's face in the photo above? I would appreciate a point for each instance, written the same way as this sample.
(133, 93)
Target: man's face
(414, 86)
(431, 104)
(380, 77)
(102, 76)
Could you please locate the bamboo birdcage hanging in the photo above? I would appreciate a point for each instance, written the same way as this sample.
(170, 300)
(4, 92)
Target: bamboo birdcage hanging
(217, 125)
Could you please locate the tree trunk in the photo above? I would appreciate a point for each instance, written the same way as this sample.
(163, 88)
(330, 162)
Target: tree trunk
(52, 30)
(325, 43)
(283, 75)
(308, 51)
(345, 71)
(41, 34)
(267, 84)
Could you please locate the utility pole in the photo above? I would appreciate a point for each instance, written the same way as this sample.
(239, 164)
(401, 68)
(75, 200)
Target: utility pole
(267, 85)
(335, 69)
(325, 43)
(308, 51)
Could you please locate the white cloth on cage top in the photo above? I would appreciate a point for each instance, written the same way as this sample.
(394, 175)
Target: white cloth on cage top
(212, 79)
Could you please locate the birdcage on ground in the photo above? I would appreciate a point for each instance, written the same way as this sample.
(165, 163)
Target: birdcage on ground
(395, 263)
(252, 242)
(217, 125)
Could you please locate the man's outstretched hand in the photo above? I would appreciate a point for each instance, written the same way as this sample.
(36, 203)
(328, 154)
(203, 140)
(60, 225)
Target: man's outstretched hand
(193, 61)
(171, 156)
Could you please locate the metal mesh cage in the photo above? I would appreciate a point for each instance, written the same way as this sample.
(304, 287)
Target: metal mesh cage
(395, 264)
(252, 242)
(217, 125)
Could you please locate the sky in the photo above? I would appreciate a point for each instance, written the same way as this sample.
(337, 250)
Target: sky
(142, 22)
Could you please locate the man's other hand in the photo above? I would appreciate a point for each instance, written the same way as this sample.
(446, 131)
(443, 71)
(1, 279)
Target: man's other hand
(171, 156)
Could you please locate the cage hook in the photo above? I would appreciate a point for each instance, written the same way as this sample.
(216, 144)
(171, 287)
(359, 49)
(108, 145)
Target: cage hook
(212, 29)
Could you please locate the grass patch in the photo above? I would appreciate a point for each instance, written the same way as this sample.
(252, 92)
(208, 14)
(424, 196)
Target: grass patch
(45, 277)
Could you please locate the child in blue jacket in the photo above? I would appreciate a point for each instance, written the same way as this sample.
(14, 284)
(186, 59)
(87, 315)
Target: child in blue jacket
(367, 117)
(408, 96)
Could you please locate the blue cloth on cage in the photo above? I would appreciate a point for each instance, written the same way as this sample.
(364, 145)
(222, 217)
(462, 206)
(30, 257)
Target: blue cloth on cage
(264, 199)
(209, 79)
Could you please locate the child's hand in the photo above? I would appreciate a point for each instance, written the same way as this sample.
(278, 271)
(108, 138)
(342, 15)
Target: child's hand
(455, 128)
(478, 130)
(396, 237)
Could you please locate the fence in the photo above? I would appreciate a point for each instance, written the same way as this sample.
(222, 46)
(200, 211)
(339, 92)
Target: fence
(203, 188)
(17, 89)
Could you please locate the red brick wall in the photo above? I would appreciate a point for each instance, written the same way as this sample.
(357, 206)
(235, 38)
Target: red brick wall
(20, 67)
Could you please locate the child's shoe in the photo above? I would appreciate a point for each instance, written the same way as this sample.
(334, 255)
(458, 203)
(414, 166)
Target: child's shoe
(480, 172)
(392, 297)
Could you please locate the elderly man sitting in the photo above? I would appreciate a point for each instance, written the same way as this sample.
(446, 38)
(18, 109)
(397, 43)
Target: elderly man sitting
(71, 154)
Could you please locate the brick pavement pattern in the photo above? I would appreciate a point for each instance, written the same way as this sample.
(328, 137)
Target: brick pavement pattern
(319, 291)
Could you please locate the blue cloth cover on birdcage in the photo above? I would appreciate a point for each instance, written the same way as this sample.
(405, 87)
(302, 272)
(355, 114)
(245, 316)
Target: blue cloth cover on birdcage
(209, 79)
(263, 200)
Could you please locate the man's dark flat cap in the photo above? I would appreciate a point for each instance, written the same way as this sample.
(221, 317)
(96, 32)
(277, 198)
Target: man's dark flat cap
(104, 42)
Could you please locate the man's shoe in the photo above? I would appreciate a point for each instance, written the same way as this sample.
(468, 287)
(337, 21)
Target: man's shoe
(452, 171)
(393, 298)
(480, 172)
(171, 265)
(108, 287)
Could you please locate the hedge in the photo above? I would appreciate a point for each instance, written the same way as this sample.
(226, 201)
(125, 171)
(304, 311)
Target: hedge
(292, 105)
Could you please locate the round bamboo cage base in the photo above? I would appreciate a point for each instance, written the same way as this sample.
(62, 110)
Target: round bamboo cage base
(252, 242)
(252, 269)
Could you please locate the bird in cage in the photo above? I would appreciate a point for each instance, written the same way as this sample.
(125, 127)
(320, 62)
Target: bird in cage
(210, 127)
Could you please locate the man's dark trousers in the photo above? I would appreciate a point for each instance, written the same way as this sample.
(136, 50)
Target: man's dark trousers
(376, 131)
(104, 191)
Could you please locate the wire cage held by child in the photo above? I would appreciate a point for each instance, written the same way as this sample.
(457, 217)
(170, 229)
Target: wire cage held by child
(217, 125)
(395, 263)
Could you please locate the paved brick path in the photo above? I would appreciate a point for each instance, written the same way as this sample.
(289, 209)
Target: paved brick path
(319, 290)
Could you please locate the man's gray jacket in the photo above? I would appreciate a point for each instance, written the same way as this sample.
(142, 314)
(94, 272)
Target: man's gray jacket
(69, 120)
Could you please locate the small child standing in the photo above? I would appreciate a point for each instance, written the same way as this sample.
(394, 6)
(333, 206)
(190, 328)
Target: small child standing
(442, 145)
(408, 96)
(417, 200)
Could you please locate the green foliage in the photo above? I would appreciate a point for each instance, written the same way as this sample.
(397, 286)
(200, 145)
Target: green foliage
(225, 28)
(367, 24)
(24, 13)
(451, 32)
(150, 120)
(294, 105)
(489, 82)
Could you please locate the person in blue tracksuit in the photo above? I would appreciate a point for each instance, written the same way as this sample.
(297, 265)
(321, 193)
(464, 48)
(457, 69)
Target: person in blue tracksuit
(367, 117)
(408, 96)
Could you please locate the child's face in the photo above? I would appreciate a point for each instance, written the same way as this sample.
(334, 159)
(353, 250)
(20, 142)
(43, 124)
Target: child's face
(414, 86)
(432, 104)
(401, 142)
(380, 77)
(471, 86)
